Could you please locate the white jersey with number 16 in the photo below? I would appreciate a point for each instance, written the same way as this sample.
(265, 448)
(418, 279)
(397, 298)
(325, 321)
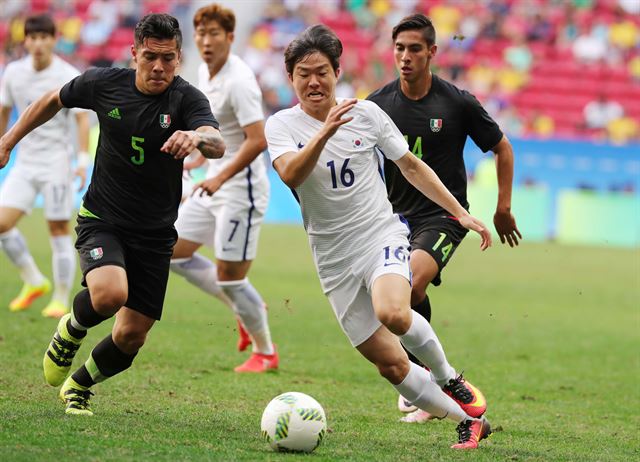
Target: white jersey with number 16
(344, 200)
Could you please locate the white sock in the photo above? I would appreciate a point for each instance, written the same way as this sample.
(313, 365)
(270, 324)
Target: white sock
(249, 307)
(202, 273)
(418, 388)
(64, 267)
(15, 247)
(422, 341)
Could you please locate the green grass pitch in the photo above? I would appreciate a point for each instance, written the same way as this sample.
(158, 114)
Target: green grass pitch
(550, 334)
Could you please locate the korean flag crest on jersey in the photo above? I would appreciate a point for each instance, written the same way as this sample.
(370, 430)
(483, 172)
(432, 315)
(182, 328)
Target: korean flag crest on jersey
(165, 120)
(436, 125)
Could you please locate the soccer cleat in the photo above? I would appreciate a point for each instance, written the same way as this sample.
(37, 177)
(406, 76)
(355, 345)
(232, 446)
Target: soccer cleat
(417, 416)
(76, 397)
(470, 432)
(59, 356)
(243, 337)
(55, 309)
(259, 362)
(28, 294)
(405, 406)
(468, 397)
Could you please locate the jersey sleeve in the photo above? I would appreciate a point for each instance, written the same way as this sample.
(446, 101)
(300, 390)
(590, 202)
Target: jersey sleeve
(279, 139)
(246, 100)
(390, 140)
(483, 130)
(6, 99)
(197, 110)
(70, 73)
(79, 92)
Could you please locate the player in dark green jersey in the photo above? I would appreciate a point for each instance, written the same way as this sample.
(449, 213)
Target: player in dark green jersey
(150, 119)
(436, 117)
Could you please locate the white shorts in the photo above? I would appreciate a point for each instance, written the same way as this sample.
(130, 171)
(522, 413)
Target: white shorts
(23, 184)
(351, 298)
(229, 221)
(187, 184)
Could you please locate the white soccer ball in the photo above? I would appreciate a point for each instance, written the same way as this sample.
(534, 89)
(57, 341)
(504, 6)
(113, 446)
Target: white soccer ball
(293, 422)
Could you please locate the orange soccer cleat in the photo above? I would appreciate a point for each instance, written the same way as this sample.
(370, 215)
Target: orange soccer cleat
(259, 362)
(244, 340)
(28, 295)
(470, 399)
(470, 432)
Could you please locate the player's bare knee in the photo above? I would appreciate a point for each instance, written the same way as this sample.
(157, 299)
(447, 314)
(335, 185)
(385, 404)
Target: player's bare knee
(232, 271)
(129, 338)
(5, 227)
(395, 317)
(58, 228)
(107, 300)
(395, 371)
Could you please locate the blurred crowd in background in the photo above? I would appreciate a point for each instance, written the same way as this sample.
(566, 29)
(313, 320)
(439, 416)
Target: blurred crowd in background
(543, 69)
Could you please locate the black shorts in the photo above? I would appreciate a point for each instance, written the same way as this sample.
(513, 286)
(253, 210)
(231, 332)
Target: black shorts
(439, 236)
(144, 255)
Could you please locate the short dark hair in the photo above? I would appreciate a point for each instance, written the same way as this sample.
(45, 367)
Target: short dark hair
(214, 12)
(419, 22)
(42, 23)
(318, 38)
(159, 26)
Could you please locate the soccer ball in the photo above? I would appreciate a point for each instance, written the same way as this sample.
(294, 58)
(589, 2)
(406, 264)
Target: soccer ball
(293, 422)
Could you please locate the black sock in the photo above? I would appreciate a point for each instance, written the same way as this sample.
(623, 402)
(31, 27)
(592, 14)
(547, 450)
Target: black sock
(84, 313)
(106, 361)
(424, 308)
(75, 333)
(82, 377)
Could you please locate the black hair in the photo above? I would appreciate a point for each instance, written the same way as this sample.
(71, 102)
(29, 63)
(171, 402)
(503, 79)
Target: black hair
(318, 38)
(419, 22)
(42, 23)
(159, 26)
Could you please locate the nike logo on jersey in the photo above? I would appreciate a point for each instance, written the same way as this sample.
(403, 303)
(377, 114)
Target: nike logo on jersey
(391, 264)
(300, 145)
(114, 113)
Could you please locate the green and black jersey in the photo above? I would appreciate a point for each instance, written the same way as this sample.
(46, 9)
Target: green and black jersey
(436, 128)
(134, 184)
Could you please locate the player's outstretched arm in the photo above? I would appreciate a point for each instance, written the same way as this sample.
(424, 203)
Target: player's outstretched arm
(424, 179)
(205, 139)
(295, 167)
(503, 219)
(38, 112)
(252, 146)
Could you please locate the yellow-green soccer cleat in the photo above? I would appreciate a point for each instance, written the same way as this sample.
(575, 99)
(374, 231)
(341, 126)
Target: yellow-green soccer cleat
(59, 356)
(76, 398)
(55, 309)
(28, 294)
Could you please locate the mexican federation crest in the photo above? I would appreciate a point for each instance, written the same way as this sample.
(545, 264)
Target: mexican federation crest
(165, 120)
(436, 125)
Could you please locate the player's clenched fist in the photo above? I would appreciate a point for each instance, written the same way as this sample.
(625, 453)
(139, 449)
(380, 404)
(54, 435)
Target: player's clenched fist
(181, 143)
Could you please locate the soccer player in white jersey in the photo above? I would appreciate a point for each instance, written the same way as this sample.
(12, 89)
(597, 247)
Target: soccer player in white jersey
(325, 150)
(226, 210)
(23, 82)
